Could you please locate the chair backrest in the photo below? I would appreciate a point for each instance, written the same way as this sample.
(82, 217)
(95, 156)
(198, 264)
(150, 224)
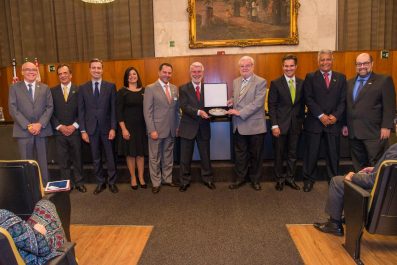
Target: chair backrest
(20, 186)
(9, 253)
(382, 215)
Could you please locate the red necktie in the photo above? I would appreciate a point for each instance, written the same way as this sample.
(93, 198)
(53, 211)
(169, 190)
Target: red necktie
(198, 93)
(167, 93)
(326, 78)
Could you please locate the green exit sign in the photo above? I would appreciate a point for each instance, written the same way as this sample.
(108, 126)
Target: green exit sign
(51, 68)
(384, 54)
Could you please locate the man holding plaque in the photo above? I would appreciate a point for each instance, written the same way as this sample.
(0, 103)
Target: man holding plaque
(249, 125)
(194, 127)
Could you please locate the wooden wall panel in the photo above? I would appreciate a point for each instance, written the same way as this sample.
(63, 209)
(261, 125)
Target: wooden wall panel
(218, 68)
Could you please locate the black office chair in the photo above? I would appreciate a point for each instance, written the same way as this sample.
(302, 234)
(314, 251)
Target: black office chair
(20, 189)
(376, 211)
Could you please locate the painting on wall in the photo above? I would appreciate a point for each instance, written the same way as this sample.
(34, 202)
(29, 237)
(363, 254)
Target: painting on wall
(242, 23)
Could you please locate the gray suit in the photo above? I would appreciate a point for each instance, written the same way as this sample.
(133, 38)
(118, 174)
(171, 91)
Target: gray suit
(162, 117)
(334, 205)
(24, 110)
(249, 127)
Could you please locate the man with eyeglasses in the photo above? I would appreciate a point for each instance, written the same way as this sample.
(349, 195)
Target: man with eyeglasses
(30, 105)
(370, 112)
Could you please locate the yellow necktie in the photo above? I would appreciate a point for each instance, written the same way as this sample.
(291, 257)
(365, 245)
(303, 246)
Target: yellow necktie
(65, 93)
(292, 89)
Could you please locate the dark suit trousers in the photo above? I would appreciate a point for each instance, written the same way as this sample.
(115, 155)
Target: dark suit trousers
(248, 151)
(313, 143)
(35, 148)
(334, 204)
(69, 154)
(289, 143)
(98, 140)
(365, 153)
(187, 148)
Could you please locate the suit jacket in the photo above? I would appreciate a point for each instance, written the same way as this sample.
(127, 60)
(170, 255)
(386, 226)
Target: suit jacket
(24, 110)
(373, 109)
(320, 99)
(159, 115)
(365, 180)
(65, 113)
(250, 105)
(190, 122)
(97, 113)
(287, 115)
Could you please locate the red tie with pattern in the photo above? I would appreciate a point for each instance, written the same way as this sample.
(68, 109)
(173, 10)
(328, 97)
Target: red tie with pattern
(326, 78)
(198, 93)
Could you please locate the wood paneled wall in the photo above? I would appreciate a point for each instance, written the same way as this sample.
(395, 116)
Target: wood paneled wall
(218, 68)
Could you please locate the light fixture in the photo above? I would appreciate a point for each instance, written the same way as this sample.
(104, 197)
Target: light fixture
(98, 1)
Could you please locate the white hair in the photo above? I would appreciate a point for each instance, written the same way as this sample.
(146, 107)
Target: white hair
(246, 58)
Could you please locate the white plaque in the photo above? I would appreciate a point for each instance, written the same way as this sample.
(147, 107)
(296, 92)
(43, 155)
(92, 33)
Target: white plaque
(215, 95)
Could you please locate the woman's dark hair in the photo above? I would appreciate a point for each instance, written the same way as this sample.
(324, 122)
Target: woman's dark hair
(127, 74)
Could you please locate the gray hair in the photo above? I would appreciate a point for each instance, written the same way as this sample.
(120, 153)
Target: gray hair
(325, 51)
(245, 58)
(197, 64)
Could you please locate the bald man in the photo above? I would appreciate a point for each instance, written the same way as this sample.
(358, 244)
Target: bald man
(30, 105)
(370, 109)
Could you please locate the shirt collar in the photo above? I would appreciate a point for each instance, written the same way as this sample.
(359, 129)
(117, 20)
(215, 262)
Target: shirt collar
(33, 84)
(288, 78)
(163, 84)
(329, 73)
(194, 85)
(68, 85)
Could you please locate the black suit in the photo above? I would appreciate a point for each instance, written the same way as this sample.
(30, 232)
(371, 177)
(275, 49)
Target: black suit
(193, 128)
(288, 117)
(68, 147)
(322, 100)
(373, 109)
(97, 116)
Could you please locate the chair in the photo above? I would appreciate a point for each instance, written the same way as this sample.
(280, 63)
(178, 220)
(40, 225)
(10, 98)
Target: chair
(20, 189)
(376, 211)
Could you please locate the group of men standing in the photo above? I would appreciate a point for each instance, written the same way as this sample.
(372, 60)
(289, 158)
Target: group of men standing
(362, 108)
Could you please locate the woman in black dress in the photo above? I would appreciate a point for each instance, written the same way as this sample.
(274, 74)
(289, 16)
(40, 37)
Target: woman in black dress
(133, 144)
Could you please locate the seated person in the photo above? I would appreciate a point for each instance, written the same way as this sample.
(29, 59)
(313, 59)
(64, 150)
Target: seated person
(38, 238)
(334, 206)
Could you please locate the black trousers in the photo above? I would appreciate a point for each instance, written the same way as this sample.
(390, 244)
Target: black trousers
(187, 148)
(69, 154)
(313, 143)
(365, 153)
(285, 143)
(248, 151)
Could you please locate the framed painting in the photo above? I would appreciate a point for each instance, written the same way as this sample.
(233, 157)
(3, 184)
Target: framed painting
(242, 23)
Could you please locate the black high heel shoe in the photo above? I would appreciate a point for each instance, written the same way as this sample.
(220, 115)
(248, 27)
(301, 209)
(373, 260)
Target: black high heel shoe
(143, 186)
(134, 187)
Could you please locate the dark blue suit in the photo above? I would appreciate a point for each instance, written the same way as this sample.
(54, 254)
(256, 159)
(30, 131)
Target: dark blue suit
(97, 116)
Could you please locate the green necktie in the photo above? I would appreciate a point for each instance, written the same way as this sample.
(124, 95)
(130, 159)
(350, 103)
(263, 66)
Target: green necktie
(292, 89)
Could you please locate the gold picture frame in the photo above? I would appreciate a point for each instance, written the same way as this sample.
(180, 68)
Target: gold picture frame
(242, 23)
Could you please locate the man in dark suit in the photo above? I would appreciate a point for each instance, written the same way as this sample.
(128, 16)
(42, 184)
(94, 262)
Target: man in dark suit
(286, 110)
(30, 105)
(194, 127)
(325, 97)
(334, 206)
(249, 127)
(371, 108)
(161, 111)
(64, 121)
(97, 117)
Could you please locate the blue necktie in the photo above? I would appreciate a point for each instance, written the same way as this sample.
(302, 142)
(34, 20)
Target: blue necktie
(96, 92)
(360, 86)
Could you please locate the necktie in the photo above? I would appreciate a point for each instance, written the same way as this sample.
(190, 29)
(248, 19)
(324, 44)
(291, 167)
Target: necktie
(167, 93)
(360, 86)
(198, 93)
(30, 90)
(243, 87)
(326, 78)
(65, 93)
(292, 89)
(96, 92)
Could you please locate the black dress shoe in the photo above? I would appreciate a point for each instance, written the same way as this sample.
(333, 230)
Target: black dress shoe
(170, 184)
(210, 185)
(331, 227)
(113, 188)
(279, 185)
(184, 187)
(308, 186)
(256, 186)
(81, 188)
(236, 185)
(134, 187)
(156, 189)
(292, 184)
(99, 188)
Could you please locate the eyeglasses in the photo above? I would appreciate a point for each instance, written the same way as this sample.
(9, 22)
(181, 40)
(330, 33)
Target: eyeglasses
(29, 70)
(363, 64)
